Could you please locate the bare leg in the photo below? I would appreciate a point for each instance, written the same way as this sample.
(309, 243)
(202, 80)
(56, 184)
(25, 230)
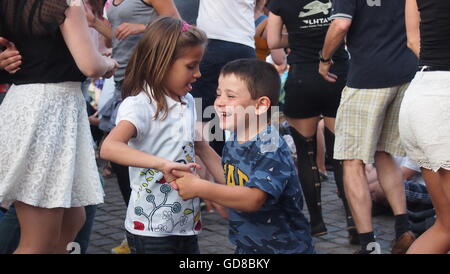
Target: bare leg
(320, 158)
(73, 221)
(391, 180)
(358, 194)
(40, 229)
(436, 240)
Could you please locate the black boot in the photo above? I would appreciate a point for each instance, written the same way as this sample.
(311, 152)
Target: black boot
(309, 179)
(339, 179)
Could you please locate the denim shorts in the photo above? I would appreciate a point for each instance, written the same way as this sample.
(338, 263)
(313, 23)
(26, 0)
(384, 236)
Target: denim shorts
(162, 245)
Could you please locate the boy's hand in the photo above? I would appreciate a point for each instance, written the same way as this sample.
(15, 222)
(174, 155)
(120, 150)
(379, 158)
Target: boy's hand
(186, 183)
(168, 167)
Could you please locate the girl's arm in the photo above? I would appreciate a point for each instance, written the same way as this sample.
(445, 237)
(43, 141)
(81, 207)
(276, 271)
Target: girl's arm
(237, 197)
(115, 148)
(211, 160)
(76, 35)
(276, 38)
(412, 17)
(162, 7)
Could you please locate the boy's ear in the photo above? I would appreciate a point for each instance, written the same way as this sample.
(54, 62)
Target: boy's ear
(263, 105)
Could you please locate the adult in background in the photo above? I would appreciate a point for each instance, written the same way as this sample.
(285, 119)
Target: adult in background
(309, 96)
(45, 137)
(381, 68)
(425, 113)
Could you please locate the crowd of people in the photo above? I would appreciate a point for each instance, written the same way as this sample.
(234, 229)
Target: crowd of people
(192, 101)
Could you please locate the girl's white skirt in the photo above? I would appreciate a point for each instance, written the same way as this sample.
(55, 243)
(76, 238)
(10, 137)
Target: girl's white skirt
(46, 150)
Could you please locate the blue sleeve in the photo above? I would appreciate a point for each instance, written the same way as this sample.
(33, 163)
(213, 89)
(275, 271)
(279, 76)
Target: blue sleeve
(271, 175)
(344, 9)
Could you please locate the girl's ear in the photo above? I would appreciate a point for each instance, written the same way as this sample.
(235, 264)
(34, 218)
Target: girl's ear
(262, 105)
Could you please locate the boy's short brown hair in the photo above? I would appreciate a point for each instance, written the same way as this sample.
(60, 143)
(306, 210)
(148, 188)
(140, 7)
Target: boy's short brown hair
(261, 78)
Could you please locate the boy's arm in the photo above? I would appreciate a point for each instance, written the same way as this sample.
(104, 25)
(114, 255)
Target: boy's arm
(211, 160)
(237, 197)
(115, 148)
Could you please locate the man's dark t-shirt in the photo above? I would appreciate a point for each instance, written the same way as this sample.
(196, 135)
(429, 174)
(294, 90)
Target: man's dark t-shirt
(307, 22)
(377, 43)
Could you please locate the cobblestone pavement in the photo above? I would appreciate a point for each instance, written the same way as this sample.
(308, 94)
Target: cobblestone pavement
(108, 230)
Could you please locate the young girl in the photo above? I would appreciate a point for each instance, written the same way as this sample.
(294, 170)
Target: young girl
(155, 134)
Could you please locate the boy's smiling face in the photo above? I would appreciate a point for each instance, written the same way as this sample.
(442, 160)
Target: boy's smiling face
(233, 103)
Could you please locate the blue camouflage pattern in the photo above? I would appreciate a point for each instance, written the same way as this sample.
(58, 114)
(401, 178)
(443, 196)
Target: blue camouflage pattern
(279, 226)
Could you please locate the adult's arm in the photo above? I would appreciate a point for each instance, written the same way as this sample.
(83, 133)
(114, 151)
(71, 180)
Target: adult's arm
(276, 38)
(162, 8)
(412, 17)
(87, 57)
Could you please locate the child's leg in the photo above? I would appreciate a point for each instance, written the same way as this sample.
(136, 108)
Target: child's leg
(153, 245)
(40, 229)
(189, 245)
(436, 240)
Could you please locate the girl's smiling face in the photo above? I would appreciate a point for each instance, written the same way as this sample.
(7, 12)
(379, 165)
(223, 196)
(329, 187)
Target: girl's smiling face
(184, 71)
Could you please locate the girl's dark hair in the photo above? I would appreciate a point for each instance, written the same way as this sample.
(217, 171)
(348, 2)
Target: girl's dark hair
(161, 44)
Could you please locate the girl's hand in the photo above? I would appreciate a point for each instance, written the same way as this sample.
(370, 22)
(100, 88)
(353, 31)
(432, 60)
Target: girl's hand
(127, 29)
(186, 184)
(168, 169)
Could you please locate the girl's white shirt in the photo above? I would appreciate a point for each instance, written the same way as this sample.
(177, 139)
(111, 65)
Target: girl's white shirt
(155, 209)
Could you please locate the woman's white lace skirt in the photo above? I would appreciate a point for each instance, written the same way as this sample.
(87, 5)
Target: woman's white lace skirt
(46, 151)
(425, 120)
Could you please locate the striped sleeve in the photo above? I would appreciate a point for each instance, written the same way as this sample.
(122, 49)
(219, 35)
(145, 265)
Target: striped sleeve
(344, 9)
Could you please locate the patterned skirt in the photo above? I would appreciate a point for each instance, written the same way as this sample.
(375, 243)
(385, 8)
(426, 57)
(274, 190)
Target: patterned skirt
(46, 150)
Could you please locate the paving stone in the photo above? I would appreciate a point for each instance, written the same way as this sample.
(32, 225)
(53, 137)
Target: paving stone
(108, 228)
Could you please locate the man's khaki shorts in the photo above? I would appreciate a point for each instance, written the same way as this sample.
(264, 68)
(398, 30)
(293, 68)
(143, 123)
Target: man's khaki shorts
(367, 121)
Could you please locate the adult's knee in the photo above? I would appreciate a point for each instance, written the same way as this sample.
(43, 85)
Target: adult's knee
(353, 165)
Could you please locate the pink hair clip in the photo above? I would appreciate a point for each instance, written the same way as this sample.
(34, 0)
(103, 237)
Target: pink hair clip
(185, 27)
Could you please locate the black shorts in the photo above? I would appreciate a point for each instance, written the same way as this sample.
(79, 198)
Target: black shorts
(309, 95)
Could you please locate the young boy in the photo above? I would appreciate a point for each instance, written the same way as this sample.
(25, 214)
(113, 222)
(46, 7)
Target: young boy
(262, 190)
